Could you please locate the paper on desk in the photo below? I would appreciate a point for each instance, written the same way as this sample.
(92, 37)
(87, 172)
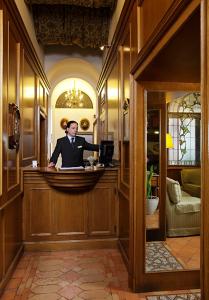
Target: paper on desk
(72, 168)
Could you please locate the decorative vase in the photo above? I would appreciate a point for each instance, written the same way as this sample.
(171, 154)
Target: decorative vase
(152, 204)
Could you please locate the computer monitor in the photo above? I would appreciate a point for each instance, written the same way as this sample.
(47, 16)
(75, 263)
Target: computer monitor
(106, 152)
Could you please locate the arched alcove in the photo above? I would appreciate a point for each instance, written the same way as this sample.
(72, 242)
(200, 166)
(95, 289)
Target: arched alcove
(59, 76)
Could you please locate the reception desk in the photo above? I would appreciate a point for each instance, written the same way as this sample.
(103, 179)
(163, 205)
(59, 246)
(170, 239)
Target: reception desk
(69, 209)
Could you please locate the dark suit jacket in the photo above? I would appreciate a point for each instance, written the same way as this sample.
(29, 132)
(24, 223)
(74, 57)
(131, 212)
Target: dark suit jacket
(72, 154)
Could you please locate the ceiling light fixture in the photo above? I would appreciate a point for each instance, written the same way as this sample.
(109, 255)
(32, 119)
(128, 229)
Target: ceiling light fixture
(74, 97)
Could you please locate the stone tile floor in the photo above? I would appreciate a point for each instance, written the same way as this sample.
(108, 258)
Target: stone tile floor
(77, 275)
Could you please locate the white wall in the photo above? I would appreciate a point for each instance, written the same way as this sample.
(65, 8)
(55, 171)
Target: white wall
(56, 54)
(28, 21)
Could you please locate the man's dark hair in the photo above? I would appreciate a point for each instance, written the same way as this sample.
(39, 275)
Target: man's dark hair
(71, 122)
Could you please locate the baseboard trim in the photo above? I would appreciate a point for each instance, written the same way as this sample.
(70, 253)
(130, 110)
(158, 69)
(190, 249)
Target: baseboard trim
(11, 269)
(71, 245)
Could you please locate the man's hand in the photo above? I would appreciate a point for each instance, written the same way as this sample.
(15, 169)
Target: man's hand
(51, 165)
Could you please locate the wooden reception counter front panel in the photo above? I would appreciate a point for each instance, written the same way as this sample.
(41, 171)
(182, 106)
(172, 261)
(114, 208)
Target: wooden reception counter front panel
(61, 219)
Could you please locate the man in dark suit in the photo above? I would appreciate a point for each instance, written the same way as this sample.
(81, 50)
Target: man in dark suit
(71, 148)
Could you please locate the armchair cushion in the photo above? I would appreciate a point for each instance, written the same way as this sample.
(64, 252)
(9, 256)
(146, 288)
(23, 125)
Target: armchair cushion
(191, 181)
(174, 190)
(188, 205)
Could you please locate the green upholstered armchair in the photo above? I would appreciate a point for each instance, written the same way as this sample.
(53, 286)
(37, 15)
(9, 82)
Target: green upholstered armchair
(191, 181)
(182, 211)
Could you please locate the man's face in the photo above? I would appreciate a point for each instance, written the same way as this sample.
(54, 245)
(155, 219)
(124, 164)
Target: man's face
(73, 129)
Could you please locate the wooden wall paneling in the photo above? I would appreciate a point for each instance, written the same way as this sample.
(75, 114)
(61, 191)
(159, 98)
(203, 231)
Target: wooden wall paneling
(137, 234)
(165, 69)
(113, 108)
(67, 216)
(151, 13)
(11, 8)
(13, 170)
(101, 211)
(134, 35)
(5, 106)
(205, 149)
(70, 211)
(12, 229)
(182, 10)
(29, 149)
(124, 221)
(116, 41)
(1, 247)
(40, 208)
(125, 103)
(1, 97)
(13, 38)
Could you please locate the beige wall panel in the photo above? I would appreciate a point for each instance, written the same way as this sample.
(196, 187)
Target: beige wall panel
(40, 208)
(151, 13)
(102, 211)
(70, 216)
(28, 114)
(13, 230)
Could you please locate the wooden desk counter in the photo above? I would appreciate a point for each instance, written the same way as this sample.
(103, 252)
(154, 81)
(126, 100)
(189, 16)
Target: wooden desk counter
(78, 180)
(69, 218)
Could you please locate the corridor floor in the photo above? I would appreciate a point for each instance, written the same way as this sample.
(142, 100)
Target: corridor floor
(76, 275)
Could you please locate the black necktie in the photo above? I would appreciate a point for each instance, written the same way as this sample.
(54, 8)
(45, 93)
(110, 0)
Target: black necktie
(72, 140)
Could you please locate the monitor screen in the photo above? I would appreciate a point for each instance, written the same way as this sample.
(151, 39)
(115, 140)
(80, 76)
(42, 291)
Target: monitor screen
(106, 152)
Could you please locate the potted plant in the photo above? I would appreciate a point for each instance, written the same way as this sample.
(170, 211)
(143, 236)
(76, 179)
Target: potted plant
(152, 201)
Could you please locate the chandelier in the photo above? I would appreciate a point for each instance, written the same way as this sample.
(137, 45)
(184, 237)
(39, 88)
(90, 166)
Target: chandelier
(74, 97)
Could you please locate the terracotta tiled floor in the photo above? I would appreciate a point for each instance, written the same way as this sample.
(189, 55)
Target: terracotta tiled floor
(186, 250)
(77, 275)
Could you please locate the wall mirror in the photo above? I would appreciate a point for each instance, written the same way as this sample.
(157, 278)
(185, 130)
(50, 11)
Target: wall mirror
(173, 137)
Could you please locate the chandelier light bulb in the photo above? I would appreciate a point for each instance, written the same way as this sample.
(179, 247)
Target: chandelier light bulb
(74, 97)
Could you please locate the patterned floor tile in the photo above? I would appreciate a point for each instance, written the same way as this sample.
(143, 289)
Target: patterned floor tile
(77, 275)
